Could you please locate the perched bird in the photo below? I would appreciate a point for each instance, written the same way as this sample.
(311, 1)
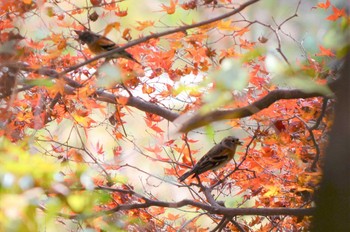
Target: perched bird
(99, 44)
(215, 158)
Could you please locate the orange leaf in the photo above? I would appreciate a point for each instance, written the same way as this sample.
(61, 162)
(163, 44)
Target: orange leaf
(122, 100)
(170, 9)
(111, 26)
(155, 149)
(126, 34)
(120, 13)
(59, 86)
(325, 52)
(324, 5)
(173, 217)
(337, 13)
(147, 89)
(144, 24)
(227, 26)
(83, 121)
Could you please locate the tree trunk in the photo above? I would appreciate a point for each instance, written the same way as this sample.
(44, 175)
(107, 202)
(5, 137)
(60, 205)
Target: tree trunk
(333, 198)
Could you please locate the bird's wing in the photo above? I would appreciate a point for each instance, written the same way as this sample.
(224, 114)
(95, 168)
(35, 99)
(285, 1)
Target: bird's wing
(107, 44)
(213, 158)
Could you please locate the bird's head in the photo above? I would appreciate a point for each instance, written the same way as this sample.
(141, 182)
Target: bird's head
(231, 141)
(86, 36)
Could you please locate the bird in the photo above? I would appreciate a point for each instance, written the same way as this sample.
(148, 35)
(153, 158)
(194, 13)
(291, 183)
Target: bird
(99, 44)
(216, 157)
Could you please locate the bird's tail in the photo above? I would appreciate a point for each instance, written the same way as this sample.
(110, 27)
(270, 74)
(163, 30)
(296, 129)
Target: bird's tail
(184, 176)
(136, 61)
(127, 55)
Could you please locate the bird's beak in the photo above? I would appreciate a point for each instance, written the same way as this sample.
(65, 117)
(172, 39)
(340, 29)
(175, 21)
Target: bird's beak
(239, 142)
(78, 32)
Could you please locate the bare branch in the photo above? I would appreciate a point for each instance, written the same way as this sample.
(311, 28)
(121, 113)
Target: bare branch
(139, 104)
(200, 120)
(214, 209)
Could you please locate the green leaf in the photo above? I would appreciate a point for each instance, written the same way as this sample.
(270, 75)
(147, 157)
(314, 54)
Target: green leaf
(40, 82)
(210, 131)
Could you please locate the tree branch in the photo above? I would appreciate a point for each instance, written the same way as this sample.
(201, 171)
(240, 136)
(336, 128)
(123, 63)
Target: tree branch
(214, 209)
(200, 120)
(140, 104)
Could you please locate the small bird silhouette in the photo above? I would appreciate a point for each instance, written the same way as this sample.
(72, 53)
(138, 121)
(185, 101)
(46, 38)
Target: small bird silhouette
(99, 44)
(216, 157)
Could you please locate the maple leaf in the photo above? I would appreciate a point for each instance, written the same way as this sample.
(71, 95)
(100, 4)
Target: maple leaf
(170, 9)
(83, 121)
(189, 5)
(337, 13)
(122, 100)
(111, 26)
(324, 5)
(173, 217)
(120, 13)
(147, 89)
(99, 148)
(227, 26)
(58, 87)
(272, 191)
(156, 149)
(117, 151)
(144, 24)
(325, 52)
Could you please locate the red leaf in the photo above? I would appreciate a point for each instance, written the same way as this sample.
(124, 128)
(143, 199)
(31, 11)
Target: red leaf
(325, 52)
(324, 5)
(170, 9)
(337, 13)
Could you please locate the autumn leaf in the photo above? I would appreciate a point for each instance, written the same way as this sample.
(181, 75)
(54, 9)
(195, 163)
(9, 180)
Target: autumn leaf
(156, 149)
(227, 26)
(120, 13)
(144, 24)
(173, 217)
(122, 100)
(271, 191)
(109, 27)
(324, 5)
(99, 148)
(325, 52)
(171, 8)
(337, 13)
(83, 121)
(147, 89)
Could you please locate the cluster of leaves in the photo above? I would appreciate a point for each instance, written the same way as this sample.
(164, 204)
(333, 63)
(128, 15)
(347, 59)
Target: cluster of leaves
(73, 148)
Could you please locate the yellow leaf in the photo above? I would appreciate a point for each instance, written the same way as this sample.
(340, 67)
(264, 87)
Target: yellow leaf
(83, 121)
(111, 26)
(272, 191)
(227, 26)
